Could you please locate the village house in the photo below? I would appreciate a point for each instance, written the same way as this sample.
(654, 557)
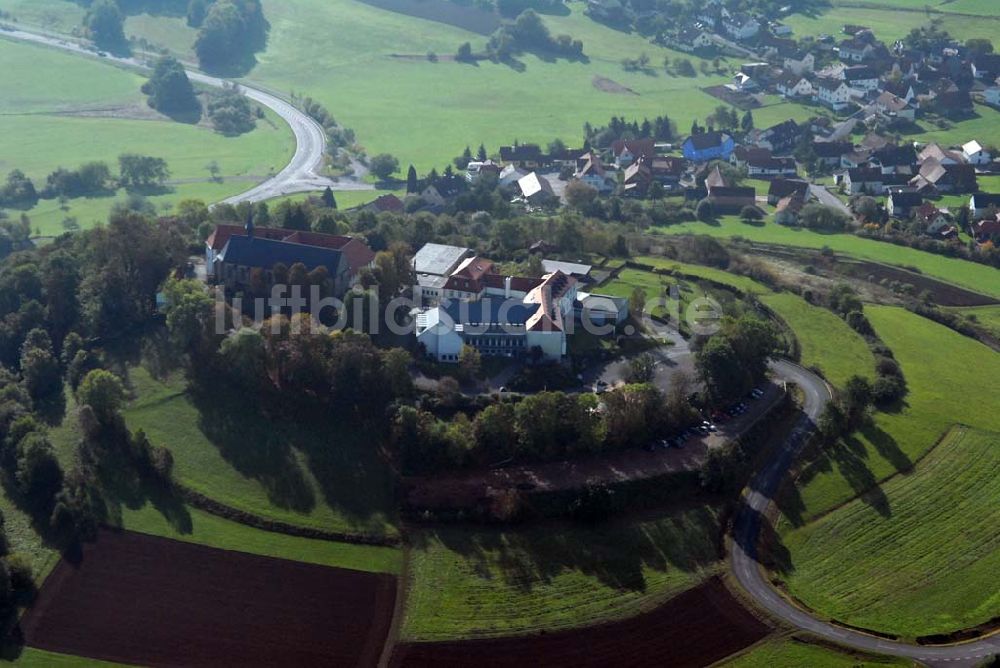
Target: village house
(627, 151)
(536, 190)
(982, 204)
(833, 93)
(857, 50)
(986, 67)
(708, 146)
(799, 63)
(863, 181)
(829, 153)
(861, 78)
(975, 154)
(388, 203)
(731, 199)
(779, 138)
(740, 26)
(891, 107)
(986, 230)
(941, 155)
(741, 154)
(477, 169)
(894, 159)
(779, 189)
(992, 96)
(793, 84)
(935, 178)
(901, 204)
(769, 167)
(692, 39)
(936, 222)
(523, 156)
(592, 172)
(667, 171)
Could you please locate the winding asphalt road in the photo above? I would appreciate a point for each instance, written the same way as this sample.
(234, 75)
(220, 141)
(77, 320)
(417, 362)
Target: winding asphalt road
(300, 175)
(746, 532)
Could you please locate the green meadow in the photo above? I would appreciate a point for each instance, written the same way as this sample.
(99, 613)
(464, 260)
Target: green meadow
(798, 652)
(911, 551)
(492, 582)
(923, 561)
(61, 110)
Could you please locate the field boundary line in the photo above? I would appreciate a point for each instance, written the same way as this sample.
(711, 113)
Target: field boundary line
(398, 612)
(219, 509)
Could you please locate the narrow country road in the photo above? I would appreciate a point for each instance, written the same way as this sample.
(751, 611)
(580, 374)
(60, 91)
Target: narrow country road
(300, 175)
(746, 532)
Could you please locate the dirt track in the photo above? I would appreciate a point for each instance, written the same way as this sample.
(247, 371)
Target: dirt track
(146, 600)
(696, 628)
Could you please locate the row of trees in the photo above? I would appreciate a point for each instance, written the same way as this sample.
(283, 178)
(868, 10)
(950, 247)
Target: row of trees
(529, 33)
(135, 172)
(539, 427)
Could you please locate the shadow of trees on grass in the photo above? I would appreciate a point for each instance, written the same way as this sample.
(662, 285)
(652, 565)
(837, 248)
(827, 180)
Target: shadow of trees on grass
(617, 554)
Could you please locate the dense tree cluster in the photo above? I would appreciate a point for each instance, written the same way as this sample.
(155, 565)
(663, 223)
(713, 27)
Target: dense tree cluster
(230, 33)
(104, 23)
(529, 33)
(231, 112)
(734, 360)
(169, 89)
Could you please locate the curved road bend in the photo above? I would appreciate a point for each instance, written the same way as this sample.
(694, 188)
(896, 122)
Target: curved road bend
(300, 175)
(746, 530)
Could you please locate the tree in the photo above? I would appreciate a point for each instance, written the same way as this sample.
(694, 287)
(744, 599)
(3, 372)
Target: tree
(411, 180)
(329, 201)
(38, 473)
(580, 195)
(18, 191)
(470, 362)
(821, 217)
(105, 24)
(637, 302)
(384, 166)
(40, 368)
(746, 123)
(705, 211)
(169, 88)
(464, 54)
(481, 153)
(141, 171)
(245, 357)
(231, 32)
(751, 214)
(196, 11)
(832, 423)
(979, 46)
(857, 398)
(103, 392)
(230, 111)
(641, 369)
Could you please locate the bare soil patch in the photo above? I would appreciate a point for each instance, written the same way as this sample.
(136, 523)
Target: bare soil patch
(145, 600)
(696, 628)
(943, 294)
(611, 86)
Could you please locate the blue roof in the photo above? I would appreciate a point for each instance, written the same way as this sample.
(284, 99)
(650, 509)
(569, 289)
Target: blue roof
(265, 253)
(491, 312)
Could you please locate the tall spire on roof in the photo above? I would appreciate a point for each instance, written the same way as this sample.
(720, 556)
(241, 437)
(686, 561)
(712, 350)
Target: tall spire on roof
(249, 225)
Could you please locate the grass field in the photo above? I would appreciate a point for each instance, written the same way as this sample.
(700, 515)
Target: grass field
(976, 277)
(329, 481)
(943, 369)
(483, 582)
(889, 23)
(39, 658)
(797, 653)
(826, 341)
(925, 564)
(64, 110)
(737, 281)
